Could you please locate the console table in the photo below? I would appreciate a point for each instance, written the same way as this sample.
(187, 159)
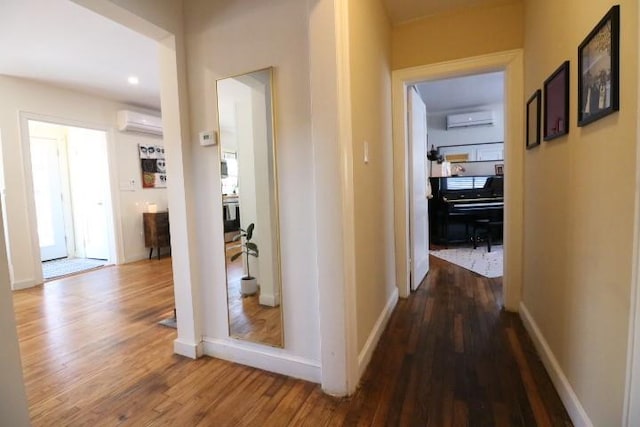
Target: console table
(156, 231)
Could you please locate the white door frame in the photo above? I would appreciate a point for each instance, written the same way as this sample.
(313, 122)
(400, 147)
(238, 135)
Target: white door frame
(113, 220)
(511, 62)
(631, 410)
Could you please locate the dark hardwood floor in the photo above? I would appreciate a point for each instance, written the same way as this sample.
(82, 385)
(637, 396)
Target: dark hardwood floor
(93, 354)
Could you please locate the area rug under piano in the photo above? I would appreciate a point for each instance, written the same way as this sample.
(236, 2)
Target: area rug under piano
(488, 264)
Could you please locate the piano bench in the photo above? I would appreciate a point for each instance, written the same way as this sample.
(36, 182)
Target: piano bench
(487, 228)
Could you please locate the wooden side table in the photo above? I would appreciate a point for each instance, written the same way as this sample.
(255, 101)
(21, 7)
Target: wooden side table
(156, 231)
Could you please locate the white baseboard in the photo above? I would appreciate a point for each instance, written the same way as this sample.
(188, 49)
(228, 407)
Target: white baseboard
(374, 337)
(261, 357)
(136, 257)
(269, 300)
(25, 284)
(190, 350)
(571, 402)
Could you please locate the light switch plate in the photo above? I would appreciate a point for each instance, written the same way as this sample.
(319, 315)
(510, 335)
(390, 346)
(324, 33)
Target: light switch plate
(366, 152)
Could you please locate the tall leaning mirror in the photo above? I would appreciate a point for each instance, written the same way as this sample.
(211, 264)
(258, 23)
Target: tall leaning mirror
(250, 207)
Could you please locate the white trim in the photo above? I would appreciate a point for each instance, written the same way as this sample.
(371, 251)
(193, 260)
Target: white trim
(631, 408)
(25, 284)
(261, 357)
(190, 350)
(374, 337)
(268, 300)
(345, 132)
(631, 414)
(577, 413)
(511, 62)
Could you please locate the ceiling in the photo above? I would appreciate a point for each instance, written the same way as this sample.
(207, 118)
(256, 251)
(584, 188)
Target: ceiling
(461, 93)
(61, 43)
(401, 11)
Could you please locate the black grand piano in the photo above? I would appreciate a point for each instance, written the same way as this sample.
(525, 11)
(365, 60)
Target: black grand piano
(459, 202)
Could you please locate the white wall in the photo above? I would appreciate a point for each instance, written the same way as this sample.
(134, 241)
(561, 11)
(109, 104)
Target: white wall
(13, 399)
(28, 96)
(219, 45)
(439, 135)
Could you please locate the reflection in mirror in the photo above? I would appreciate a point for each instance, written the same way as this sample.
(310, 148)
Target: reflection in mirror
(250, 207)
(484, 152)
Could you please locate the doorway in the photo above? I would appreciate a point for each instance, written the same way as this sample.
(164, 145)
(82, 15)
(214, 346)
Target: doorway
(465, 128)
(70, 176)
(511, 63)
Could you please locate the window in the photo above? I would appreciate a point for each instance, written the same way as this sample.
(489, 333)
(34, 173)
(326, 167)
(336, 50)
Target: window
(465, 182)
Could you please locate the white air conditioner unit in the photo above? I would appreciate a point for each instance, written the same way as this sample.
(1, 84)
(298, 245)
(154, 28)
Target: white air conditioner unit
(477, 118)
(132, 121)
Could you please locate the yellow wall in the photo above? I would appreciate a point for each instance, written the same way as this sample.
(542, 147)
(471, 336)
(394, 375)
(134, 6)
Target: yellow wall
(459, 34)
(579, 212)
(369, 40)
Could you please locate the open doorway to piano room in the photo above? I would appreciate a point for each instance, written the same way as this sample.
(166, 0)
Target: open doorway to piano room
(487, 158)
(466, 166)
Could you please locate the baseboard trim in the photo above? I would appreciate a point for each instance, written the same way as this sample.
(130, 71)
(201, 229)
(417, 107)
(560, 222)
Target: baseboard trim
(136, 257)
(374, 337)
(189, 350)
(567, 395)
(25, 284)
(269, 300)
(265, 358)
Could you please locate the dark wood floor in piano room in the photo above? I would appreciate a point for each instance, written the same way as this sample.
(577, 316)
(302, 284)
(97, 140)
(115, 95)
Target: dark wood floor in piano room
(449, 357)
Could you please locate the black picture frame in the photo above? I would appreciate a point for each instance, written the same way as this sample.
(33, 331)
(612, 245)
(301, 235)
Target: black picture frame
(599, 70)
(533, 120)
(556, 103)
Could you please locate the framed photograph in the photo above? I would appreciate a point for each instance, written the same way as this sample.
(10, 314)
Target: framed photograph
(153, 165)
(499, 169)
(598, 70)
(533, 120)
(556, 103)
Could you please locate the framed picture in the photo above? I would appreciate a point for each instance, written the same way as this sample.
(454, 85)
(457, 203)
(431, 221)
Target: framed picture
(598, 70)
(499, 169)
(533, 120)
(153, 165)
(556, 103)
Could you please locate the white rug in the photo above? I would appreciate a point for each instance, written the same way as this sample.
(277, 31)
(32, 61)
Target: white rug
(488, 264)
(65, 266)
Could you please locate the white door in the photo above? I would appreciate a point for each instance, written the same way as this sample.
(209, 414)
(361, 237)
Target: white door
(418, 202)
(47, 187)
(89, 177)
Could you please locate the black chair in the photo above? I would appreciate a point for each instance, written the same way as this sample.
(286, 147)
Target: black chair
(486, 228)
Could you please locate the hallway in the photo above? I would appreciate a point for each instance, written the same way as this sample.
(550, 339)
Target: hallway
(92, 353)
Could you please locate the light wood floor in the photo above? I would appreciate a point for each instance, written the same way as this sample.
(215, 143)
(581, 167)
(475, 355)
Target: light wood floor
(94, 355)
(248, 319)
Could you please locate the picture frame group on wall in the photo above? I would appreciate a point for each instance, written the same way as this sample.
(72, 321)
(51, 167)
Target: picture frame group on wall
(533, 120)
(556, 103)
(598, 85)
(153, 165)
(599, 69)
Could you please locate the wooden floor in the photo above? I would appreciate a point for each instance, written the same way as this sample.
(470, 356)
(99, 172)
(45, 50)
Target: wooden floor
(94, 355)
(248, 319)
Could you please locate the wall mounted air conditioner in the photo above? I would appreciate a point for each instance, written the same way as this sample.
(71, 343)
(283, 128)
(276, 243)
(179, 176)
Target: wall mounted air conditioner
(131, 121)
(476, 118)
